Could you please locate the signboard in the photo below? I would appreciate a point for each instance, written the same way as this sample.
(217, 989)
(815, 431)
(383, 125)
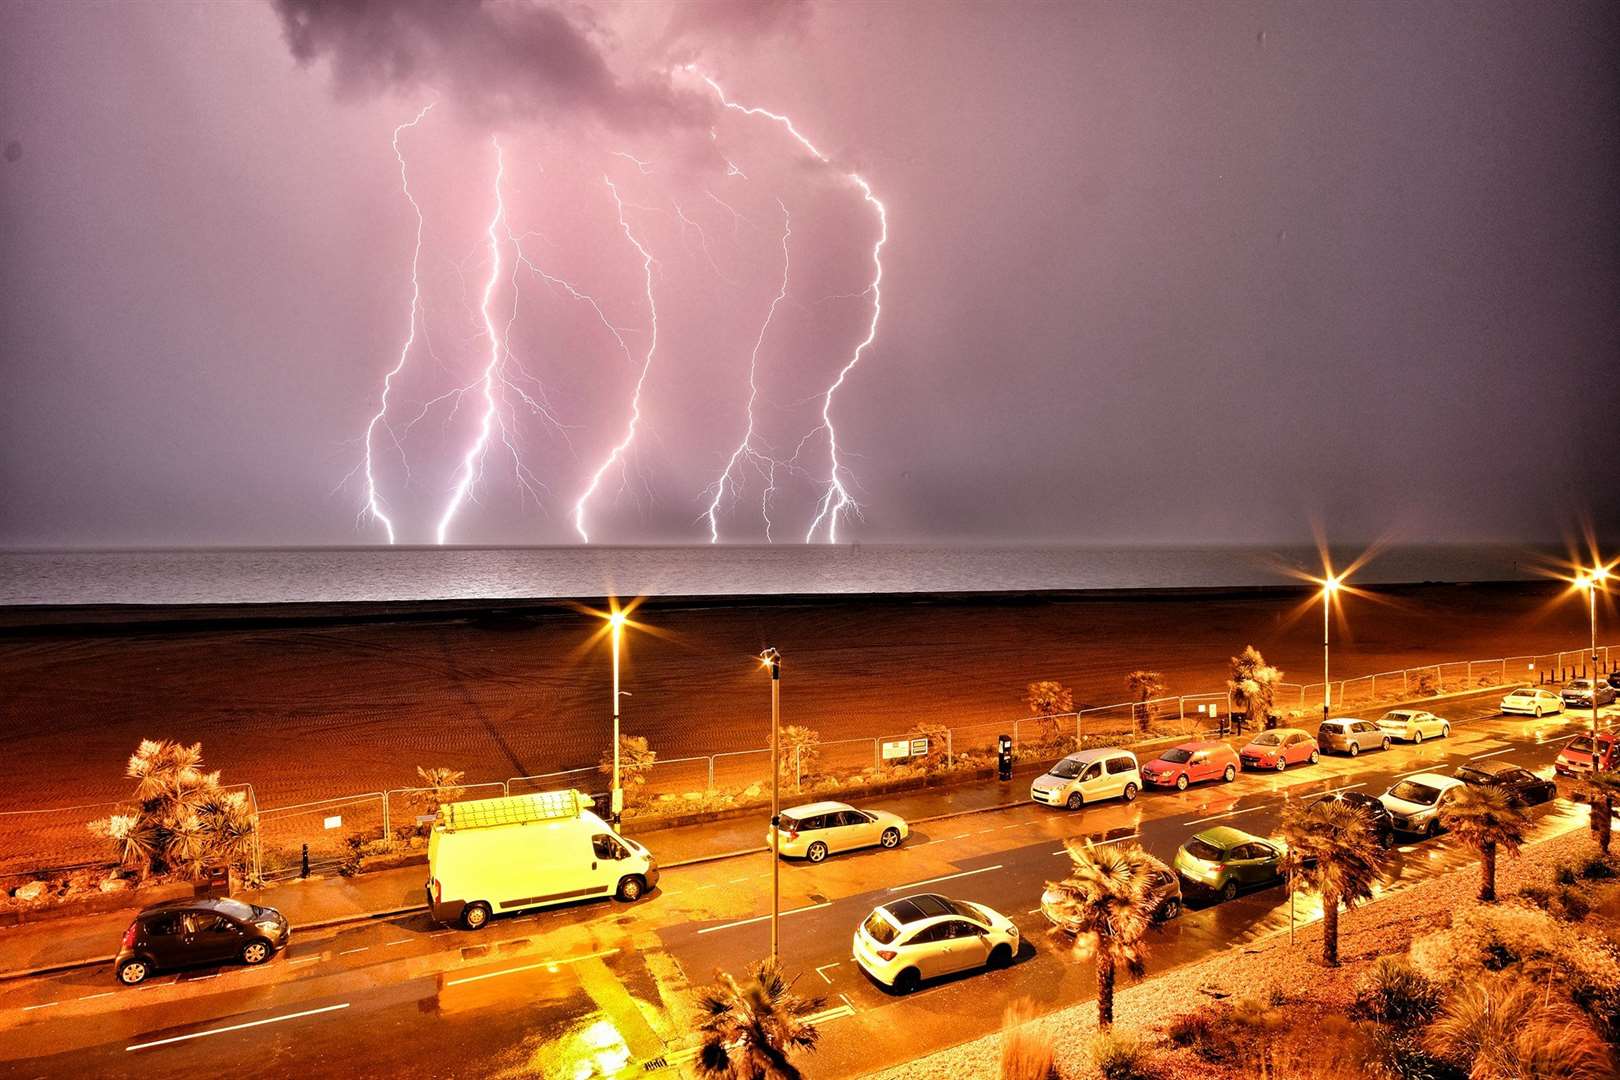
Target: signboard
(426, 819)
(919, 747)
(335, 822)
(897, 749)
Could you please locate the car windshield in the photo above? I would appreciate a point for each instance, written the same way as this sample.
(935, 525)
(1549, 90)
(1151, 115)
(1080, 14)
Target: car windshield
(1582, 745)
(879, 929)
(1267, 738)
(1579, 684)
(1177, 755)
(1203, 850)
(1414, 792)
(1067, 769)
(234, 908)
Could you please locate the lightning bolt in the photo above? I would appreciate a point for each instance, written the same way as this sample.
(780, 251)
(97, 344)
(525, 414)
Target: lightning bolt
(373, 500)
(745, 450)
(472, 462)
(623, 446)
(836, 499)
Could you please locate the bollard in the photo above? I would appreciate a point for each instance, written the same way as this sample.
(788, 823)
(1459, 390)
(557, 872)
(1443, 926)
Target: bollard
(304, 870)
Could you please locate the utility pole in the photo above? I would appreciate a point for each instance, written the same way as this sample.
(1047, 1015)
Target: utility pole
(773, 660)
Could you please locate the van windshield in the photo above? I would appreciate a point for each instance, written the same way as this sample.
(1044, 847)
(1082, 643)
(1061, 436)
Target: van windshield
(1067, 769)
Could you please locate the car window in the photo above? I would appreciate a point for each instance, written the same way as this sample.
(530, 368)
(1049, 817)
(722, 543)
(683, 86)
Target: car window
(163, 925)
(1120, 765)
(962, 929)
(881, 930)
(203, 922)
(818, 821)
(1177, 756)
(1093, 772)
(1202, 849)
(852, 817)
(606, 847)
(930, 934)
(1517, 776)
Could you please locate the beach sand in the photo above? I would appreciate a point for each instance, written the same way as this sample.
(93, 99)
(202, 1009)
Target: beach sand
(315, 709)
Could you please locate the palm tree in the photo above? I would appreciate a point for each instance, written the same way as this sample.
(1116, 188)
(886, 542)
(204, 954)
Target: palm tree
(1107, 902)
(1333, 851)
(751, 1028)
(1143, 685)
(1602, 787)
(1485, 819)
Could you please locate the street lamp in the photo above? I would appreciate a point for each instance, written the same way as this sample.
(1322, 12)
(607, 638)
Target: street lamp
(773, 660)
(1589, 581)
(1330, 585)
(616, 621)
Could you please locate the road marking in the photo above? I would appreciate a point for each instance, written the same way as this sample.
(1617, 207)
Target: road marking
(736, 881)
(238, 1027)
(925, 843)
(346, 952)
(1232, 813)
(304, 960)
(762, 918)
(822, 970)
(531, 967)
(1018, 825)
(1033, 911)
(829, 1014)
(1493, 753)
(947, 877)
(961, 836)
(201, 978)
(401, 941)
(92, 997)
(46, 1005)
(983, 831)
(441, 933)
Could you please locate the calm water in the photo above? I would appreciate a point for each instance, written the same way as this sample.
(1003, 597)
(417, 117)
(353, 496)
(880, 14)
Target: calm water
(246, 575)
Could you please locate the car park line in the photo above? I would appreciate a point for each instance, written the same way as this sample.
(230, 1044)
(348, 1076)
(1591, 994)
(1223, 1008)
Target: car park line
(1233, 813)
(762, 918)
(947, 877)
(822, 970)
(237, 1027)
(530, 967)
(1493, 753)
(46, 1005)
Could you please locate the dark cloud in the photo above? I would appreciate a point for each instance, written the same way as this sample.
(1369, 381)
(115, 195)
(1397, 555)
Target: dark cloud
(497, 60)
(708, 19)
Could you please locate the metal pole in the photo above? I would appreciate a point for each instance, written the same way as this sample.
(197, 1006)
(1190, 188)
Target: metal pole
(617, 796)
(1327, 687)
(773, 660)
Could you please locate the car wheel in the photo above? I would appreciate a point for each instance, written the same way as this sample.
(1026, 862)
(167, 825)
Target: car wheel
(1445, 731)
(1282, 763)
(1130, 792)
(1385, 744)
(1076, 801)
(1170, 910)
(1315, 757)
(1000, 957)
(816, 852)
(1538, 712)
(1386, 839)
(1355, 748)
(907, 981)
(631, 888)
(1229, 890)
(1432, 829)
(133, 972)
(475, 916)
(1417, 737)
(256, 952)
(1181, 782)
(1230, 774)
(890, 838)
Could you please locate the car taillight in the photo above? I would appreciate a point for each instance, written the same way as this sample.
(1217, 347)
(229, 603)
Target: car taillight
(129, 937)
(793, 834)
(887, 954)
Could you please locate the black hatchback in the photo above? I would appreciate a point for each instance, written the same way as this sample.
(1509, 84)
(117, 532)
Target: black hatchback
(1520, 785)
(207, 930)
(1383, 826)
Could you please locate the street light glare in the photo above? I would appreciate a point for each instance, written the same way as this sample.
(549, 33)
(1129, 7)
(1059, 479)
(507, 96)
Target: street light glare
(617, 618)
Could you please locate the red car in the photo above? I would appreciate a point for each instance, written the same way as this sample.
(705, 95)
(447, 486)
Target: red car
(1191, 763)
(1280, 748)
(1576, 758)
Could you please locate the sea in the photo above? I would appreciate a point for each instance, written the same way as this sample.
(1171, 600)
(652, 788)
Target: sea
(208, 576)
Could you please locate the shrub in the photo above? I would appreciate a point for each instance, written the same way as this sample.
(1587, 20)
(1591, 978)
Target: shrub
(1209, 1032)
(1026, 1052)
(1398, 1054)
(1121, 1055)
(635, 762)
(1428, 684)
(1390, 992)
(801, 748)
(938, 740)
(1566, 874)
(1572, 903)
(1599, 868)
(1508, 1027)
(1047, 700)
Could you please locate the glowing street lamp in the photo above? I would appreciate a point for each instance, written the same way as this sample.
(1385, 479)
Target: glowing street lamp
(616, 620)
(773, 660)
(1589, 582)
(1330, 586)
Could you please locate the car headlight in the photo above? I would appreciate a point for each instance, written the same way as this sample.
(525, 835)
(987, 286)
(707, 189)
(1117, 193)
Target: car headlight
(269, 926)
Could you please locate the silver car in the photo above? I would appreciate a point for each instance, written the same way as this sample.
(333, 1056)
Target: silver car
(1413, 725)
(816, 830)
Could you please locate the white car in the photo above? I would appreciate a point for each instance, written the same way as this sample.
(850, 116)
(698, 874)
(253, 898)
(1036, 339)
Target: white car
(816, 830)
(1087, 777)
(1413, 725)
(1532, 701)
(906, 941)
(1414, 803)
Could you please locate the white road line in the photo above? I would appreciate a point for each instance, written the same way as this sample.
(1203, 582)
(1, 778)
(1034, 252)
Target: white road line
(981, 832)
(925, 843)
(346, 952)
(1018, 825)
(46, 1005)
(1233, 813)
(202, 978)
(1493, 753)
(401, 941)
(961, 836)
(304, 960)
(822, 970)
(1033, 911)
(947, 877)
(531, 967)
(238, 1027)
(830, 1014)
(736, 881)
(441, 933)
(762, 918)
(92, 997)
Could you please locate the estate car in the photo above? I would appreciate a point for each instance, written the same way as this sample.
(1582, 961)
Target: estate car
(816, 830)
(1351, 736)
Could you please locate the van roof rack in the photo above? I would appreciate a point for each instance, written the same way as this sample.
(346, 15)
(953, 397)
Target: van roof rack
(513, 809)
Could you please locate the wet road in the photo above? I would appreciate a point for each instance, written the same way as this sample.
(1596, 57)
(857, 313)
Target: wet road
(606, 989)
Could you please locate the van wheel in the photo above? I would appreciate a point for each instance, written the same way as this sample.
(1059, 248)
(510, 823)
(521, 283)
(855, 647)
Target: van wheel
(631, 889)
(890, 838)
(816, 851)
(1076, 801)
(1181, 782)
(1130, 793)
(1355, 748)
(907, 981)
(1229, 890)
(256, 952)
(133, 972)
(1230, 774)
(1000, 957)
(475, 915)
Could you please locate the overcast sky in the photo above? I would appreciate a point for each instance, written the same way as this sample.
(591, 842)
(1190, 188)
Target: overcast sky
(1159, 272)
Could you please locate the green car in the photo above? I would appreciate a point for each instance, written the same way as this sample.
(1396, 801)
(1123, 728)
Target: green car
(1221, 861)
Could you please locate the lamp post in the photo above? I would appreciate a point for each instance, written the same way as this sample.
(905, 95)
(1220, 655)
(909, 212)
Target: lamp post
(1589, 581)
(1330, 585)
(773, 660)
(616, 625)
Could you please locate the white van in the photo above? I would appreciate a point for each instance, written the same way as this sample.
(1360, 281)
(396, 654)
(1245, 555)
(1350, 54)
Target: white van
(525, 851)
(1086, 777)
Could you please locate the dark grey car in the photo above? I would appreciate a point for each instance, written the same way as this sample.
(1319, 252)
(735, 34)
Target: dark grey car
(207, 930)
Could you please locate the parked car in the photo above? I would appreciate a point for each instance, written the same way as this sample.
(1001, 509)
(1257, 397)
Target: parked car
(1221, 861)
(816, 830)
(1613, 679)
(1280, 748)
(1577, 693)
(1532, 701)
(1519, 784)
(1413, 725)
(1576, 757)
(903, 942)
(1351, 736)
(1377, 813)
(1163, 884)
(207, 930)
(1192, 763)
(1087, 777)
(1414, 803)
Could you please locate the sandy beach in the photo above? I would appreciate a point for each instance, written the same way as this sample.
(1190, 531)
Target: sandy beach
(331, 702)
